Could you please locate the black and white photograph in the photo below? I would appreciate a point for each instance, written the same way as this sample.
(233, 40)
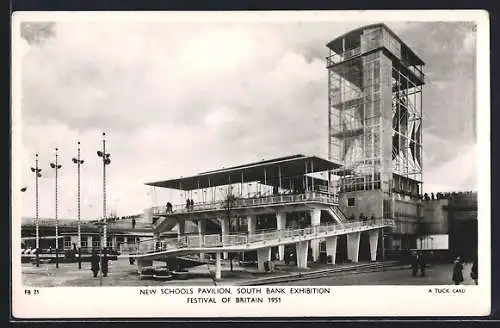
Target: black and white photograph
(259, 162)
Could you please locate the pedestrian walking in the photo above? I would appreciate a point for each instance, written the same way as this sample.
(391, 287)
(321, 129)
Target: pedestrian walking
(94, 263)
(457, 271)
(422, 263)
(473, 271)
(414, 259)
(104, 264)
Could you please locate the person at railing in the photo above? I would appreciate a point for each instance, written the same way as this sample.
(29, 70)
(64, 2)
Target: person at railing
(169, 207)
(191, 204)
(188, 203)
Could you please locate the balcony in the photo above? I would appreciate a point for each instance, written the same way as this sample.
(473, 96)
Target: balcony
(241, 203)
(338, 58)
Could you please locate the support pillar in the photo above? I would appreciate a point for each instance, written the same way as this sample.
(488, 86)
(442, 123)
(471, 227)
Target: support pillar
(89, 242)
(353, 246)
(263, 255)
(224, 225)
(141, 263)
(315, 221)
(331, 247)
(181, 227)
(202, 228)
(252, 224)
(373, 243)
(281, 224)
(302, 247)
(218, 267)
(114, 243)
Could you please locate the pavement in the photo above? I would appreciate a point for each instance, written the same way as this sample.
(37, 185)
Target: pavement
(121, 273)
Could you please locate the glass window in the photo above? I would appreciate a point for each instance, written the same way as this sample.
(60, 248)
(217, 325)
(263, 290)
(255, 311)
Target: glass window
(351, 201)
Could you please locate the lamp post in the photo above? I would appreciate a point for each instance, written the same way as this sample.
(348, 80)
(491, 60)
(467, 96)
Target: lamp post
(56, 167)
(37, 171)
(78, 162)
(105, 161)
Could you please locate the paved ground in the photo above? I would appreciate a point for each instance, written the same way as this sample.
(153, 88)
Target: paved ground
(436, 275)
(121, 273)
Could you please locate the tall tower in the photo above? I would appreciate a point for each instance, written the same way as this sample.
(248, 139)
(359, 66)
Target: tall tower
(375, 127)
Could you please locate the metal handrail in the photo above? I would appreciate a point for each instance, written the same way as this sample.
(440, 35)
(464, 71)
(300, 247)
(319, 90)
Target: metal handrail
(218, 240)
(249, 202)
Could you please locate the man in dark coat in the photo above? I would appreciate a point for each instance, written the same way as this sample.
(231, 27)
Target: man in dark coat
(473, 271)
(94, 262)
(457, 271)
(414, 259)
(104, 264)
(422, 263)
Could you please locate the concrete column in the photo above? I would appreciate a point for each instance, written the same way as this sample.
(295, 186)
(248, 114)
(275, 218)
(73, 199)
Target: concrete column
(263, 255)
(302, 247)
(202, 228)
(224, 225)
(89, 242)
(252, 224)
(281, 224)
(353, 246)
(181, 227)
(141, 263)
(373, 243)
(218, 269)
(315, 221)
(331, 247)
(113, 242)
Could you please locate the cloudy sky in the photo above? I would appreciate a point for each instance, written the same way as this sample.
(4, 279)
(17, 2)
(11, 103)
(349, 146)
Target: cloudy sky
(180, 98)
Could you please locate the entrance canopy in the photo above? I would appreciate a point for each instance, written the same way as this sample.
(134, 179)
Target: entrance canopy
(270, 172)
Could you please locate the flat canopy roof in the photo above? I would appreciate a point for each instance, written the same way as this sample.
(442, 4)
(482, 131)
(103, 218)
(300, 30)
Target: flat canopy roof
(336, 44)
(289, 166)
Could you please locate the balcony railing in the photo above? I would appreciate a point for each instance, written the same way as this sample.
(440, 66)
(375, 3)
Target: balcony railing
(338, 58)
(238, 203)
(216, 241)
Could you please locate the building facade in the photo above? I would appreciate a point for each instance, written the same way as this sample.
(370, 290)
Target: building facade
(123, 233)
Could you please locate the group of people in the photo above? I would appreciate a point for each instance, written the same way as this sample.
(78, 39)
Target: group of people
(458, 267)
(418, 261)
(189, 204)
(96, 264)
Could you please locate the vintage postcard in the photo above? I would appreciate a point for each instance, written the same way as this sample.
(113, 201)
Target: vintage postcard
(250, 164)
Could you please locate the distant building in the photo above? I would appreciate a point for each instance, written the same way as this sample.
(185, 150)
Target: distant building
(450, 223)
(123, 233)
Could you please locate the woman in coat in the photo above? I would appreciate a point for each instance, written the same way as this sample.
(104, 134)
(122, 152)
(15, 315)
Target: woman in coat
(94, 261)
(458, 276)
(473, 271)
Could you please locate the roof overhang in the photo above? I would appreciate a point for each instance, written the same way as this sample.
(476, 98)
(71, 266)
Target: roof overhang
(290, 167)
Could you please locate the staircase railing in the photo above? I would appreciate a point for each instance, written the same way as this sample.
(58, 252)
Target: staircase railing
(154, 245)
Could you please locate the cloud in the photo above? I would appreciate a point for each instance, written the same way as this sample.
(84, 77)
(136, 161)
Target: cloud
(178, 98)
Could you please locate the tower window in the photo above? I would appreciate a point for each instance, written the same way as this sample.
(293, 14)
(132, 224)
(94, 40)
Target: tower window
(350, 201)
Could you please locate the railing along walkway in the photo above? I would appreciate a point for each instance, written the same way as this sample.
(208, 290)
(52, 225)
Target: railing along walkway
(156, 245)
(249, 202)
